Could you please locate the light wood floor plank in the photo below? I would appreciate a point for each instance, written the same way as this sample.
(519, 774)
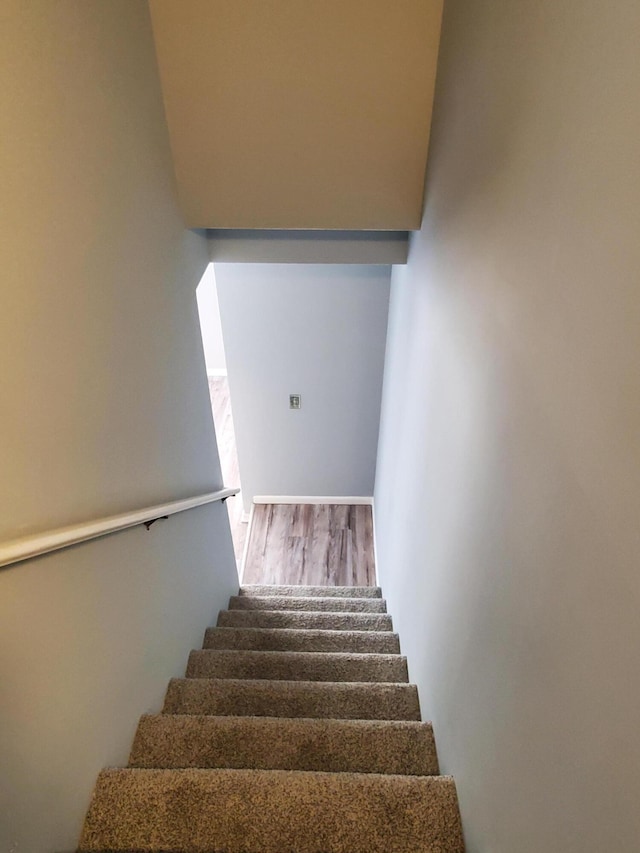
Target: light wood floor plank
(311, 544)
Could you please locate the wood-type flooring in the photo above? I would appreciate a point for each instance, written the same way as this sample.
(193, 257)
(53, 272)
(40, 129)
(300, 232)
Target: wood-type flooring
(315, 544)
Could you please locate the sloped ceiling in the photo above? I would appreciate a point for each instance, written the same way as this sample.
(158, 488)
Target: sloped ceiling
(294, 114)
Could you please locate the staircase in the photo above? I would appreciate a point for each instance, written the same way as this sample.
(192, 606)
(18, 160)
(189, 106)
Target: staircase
(295, 731)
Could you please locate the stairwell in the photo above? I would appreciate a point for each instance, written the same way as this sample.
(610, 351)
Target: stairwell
(294, 731)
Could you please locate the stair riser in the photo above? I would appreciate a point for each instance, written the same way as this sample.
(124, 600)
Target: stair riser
(336, 605)
(315, 591)
(281, 639)
(333, 746)
(302, 620)
(294, 666)
(373, 701)
(198, 811)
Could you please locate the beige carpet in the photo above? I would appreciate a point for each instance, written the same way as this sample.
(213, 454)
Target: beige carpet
(294, 731)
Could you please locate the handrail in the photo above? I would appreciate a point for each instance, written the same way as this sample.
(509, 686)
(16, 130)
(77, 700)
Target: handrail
(36, 544)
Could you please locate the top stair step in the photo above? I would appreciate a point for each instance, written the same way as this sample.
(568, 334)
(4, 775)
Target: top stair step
(314, 591)
(311, 603)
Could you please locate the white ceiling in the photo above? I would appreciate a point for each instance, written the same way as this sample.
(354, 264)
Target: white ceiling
(297, 114)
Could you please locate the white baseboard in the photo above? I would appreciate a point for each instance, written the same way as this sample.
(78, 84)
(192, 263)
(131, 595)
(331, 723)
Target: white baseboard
(351, 500)
(217, 371)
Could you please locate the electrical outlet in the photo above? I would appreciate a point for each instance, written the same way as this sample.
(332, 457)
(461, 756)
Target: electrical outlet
(295, 401)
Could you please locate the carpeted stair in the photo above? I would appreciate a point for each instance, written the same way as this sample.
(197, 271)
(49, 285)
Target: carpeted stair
(295, 731)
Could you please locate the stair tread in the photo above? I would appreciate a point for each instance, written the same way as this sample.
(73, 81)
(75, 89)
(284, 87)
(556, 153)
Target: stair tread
(312, 591)
(309, 619)
(296, 666)
(197, 811)
(291, 602)
(280, 698)
(301, 639)
(329, 745)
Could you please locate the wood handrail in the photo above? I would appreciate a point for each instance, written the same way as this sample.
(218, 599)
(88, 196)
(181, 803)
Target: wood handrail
(36, 544)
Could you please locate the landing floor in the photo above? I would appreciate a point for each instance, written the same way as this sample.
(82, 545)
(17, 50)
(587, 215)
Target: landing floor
(315, 544)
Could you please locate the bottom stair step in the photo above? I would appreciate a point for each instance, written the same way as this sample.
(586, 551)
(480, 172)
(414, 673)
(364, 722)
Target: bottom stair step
(267, 743)
(337, 700)
(271, 811)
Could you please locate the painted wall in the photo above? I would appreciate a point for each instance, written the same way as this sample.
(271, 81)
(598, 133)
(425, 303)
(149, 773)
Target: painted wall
(318, 331)
(103, 408)
(508, 487)
(210, 325)
(88, 641)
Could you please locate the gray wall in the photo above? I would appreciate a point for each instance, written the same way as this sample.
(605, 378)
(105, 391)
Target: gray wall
(103, 408)
(314, 330)
(508, 487)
